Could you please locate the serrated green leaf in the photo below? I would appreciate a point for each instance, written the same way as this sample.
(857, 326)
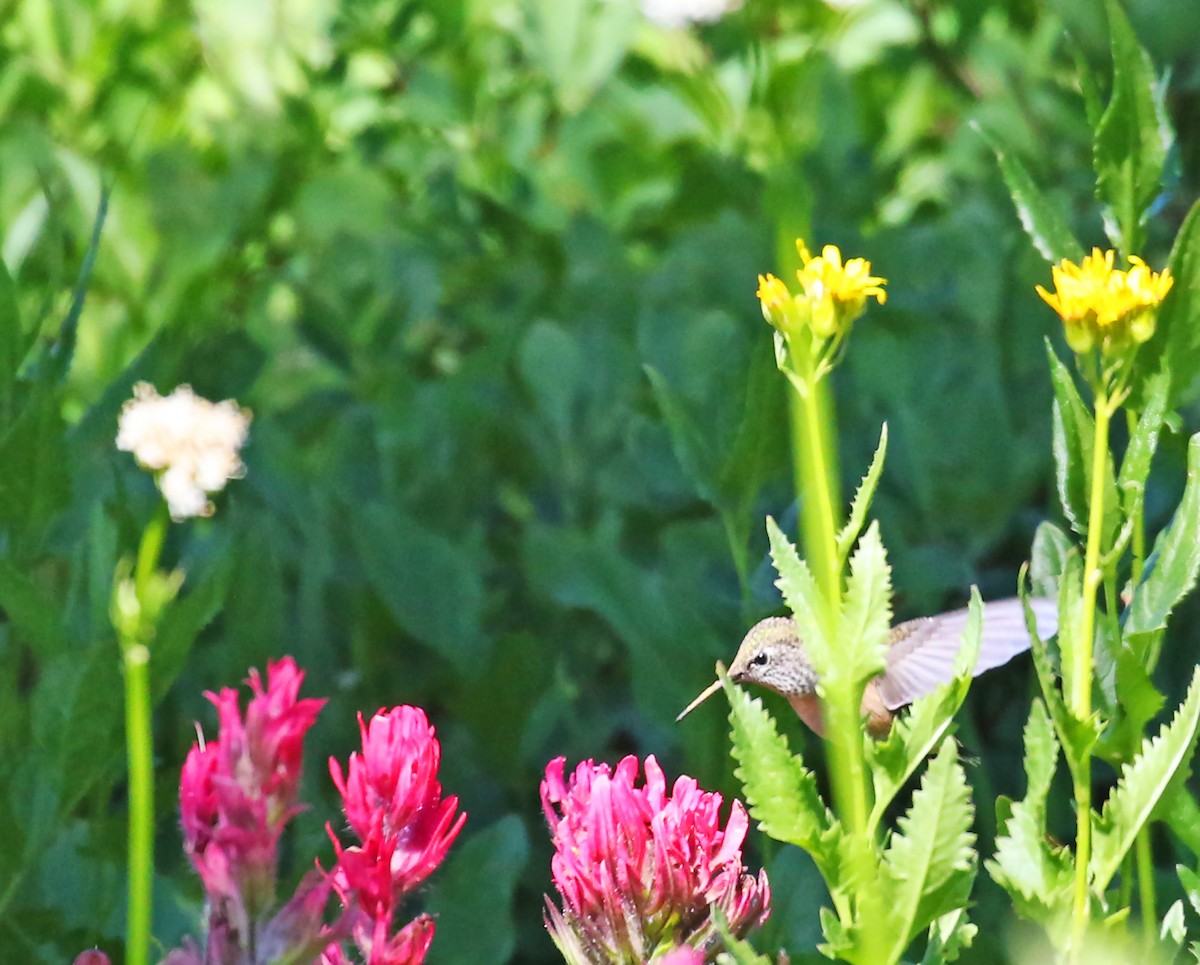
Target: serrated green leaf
(931, 857)
(915, 733)
(949, 937)
(866, 614)
(1191, 885)
(1077, 737)
(1042, 221)
(1135, 464)
(1073, 428)
(1173, 565)
(1038, 876)
(781, 792)
(1182, 815)
(801, 595)
(1175, 344)
(1041, 760)
(1163, 762)
(861, 503)
(1173, 929)
(1130, 147)
(1048, 559)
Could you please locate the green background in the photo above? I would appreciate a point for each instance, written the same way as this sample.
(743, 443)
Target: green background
(485, 274)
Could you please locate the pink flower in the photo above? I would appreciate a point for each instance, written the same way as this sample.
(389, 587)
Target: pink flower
(394, 805)
(92, 956)
(236, 794)
(638, 870)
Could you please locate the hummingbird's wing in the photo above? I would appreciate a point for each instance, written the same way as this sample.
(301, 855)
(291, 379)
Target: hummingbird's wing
(922, 652)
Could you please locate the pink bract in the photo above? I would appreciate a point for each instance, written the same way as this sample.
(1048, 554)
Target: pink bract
(639, 870)
(237, 793)
(394, 805)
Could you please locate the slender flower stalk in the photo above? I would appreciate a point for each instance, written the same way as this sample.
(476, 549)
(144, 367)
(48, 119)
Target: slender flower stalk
(811, 326)
(1107, 313)
(136, 605)
(639, 871)
(192, 447)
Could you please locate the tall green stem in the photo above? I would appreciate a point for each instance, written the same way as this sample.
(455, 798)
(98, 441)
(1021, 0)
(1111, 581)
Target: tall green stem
(139, 751)
(1081, 689)
(139, 746)
(820, 499)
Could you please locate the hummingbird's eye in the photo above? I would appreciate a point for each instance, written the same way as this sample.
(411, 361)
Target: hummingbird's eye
(759, 660)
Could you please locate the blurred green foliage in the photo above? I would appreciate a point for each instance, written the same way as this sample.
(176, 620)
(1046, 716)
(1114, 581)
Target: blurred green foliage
(436, 247)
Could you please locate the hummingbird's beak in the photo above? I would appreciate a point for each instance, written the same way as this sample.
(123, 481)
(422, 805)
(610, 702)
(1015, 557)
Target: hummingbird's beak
(704, 695)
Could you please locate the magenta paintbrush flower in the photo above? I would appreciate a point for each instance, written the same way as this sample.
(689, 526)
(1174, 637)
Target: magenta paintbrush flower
(394, 805)
(237, 793)
(639, 870)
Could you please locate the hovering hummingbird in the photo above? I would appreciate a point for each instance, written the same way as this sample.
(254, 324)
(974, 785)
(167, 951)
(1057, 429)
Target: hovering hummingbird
(920, 658)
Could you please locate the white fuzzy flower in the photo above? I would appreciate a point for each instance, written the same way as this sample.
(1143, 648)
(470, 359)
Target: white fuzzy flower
(680, 13)
(189, 443)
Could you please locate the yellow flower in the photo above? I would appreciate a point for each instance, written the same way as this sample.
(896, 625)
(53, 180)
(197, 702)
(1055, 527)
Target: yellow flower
(837, 293)
(832, 295)
(1100, 304)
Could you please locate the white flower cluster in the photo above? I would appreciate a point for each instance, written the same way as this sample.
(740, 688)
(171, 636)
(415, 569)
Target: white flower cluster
(189, 443)
(680, 13)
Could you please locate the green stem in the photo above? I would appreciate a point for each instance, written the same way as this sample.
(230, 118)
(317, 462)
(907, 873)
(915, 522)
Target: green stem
(1146, 897)
(844, 738)
(139, 746)
(1139, 522)
(141, 801)
(818, 506)
(1081, 689)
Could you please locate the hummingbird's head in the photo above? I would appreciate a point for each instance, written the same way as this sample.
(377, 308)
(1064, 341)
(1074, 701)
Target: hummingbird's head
(772, 655)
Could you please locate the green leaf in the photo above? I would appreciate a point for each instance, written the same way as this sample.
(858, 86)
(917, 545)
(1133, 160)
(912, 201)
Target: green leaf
(1162, 764)
(14, 342)
(1036, 875)
(1191, 885)
(1172, 567)
(931, 858)
(737, 951)
(35, 484)
(1048, 559)
(55, 360)
(431, 586)
(1073, 436)
(1135, 465)
(1175, 344)
(695, 453)
(866, 614)
(1182, 814)
(1173, 929)
(578, 44)
(1132, 138)
(473, 895)
(781, 792)
(949, 937)
(861, 503)
(1042, 221)
(914, 734)
(801, 595)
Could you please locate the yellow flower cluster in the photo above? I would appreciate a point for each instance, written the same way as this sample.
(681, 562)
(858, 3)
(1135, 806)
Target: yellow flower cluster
(1105, 306)
(832, 294)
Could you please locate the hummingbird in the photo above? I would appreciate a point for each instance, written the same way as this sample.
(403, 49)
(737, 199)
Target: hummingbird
(920, 658)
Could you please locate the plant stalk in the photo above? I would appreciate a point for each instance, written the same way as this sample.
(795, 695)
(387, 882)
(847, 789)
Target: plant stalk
(1081, 689)
(139, 746)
